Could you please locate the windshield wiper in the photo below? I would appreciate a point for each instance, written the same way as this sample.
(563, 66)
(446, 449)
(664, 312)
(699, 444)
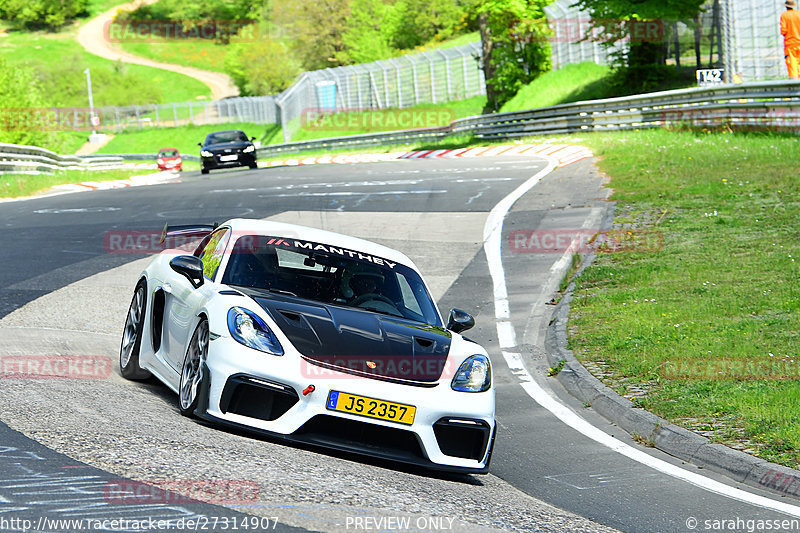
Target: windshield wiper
(379, 311)
(281, 291)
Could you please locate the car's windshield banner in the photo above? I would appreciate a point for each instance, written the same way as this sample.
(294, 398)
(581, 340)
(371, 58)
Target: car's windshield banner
(307, 246)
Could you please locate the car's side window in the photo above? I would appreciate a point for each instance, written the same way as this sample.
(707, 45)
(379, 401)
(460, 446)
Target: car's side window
(213, 252)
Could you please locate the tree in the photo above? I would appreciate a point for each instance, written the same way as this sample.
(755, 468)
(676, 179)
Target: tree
(315, 31)
(260, 68)
(214, 17)
(514, 47)
(643, 66)
(421, 21)
(41, 13)
(23, 116)
(370, 30)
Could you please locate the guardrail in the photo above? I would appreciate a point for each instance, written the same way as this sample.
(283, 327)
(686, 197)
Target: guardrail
(22, 159)
(772, 106)
(763, 105)
(140, 157)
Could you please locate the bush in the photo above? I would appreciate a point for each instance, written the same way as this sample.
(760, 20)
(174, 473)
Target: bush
(41, 13)
(23, 115)
(260, 68)
(211, 15)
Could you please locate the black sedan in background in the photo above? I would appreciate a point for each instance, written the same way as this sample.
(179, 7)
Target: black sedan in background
(223, 149)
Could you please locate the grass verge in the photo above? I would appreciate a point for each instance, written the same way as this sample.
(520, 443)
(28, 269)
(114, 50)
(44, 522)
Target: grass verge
(701, 329)
(17, 185)
(60, 62)
(198, 53)
(184, 138)
(572, 83)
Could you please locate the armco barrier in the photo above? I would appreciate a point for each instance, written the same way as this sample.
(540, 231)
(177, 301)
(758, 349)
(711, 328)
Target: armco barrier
(764, 105)
(773, 105)
(22, 159)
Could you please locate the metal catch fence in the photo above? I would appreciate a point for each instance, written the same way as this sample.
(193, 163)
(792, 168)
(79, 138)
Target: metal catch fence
(433, 77)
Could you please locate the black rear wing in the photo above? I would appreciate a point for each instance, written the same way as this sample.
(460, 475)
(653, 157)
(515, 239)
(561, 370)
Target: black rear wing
(187, 231)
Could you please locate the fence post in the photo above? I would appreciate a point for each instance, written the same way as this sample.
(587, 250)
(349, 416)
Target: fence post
(138, 120)
(191, 114)
(385, 86)
(447, 74)
(116, 113)
(416, 82)
(399, 84)
(158, 124)
(464, 69)
(175, 114)
(358, 91)
(433, 76)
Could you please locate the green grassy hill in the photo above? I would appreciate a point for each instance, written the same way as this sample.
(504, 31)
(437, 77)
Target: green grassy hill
(572, 83)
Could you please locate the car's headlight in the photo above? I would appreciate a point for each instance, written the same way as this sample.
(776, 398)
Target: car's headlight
(248, 149)
(247, 328)
(160, 161)
(474, 375)
(206, 153)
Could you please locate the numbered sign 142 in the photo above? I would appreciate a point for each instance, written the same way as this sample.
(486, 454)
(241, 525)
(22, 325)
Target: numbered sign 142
(709, 76)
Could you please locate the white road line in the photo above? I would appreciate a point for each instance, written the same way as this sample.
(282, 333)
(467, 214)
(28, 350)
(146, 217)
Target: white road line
(492, 237)
(380, 193)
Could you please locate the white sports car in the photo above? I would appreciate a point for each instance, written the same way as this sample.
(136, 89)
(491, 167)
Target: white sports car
(314, 337)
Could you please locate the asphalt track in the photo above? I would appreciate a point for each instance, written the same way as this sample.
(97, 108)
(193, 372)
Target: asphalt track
(62, 293)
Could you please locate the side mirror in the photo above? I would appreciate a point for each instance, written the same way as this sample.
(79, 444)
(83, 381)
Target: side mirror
(200, 145)
(189, 266)
(459, 321)
(252, 138)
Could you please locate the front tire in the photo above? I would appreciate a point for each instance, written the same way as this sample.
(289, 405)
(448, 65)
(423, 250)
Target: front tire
(132, 336)
(192, 371)
(203, 170)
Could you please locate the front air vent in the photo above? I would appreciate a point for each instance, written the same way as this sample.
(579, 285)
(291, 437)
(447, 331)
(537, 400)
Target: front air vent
(462, 437)
(257, 398)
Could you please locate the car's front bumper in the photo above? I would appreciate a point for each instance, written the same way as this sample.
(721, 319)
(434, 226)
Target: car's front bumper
(242, 160)
(451, 431)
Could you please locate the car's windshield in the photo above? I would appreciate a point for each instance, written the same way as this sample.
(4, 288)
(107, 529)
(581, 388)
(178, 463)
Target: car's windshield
(226, 137)
(167, 153)
(331, 275)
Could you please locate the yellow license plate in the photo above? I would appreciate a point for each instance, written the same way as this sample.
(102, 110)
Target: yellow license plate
(371, 407)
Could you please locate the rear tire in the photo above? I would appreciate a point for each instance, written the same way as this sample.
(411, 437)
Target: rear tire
(253, 165)
(132, 334)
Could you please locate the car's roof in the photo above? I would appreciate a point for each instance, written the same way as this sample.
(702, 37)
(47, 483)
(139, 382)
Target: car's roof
(270, 228)
(164, 149)
(225, 131)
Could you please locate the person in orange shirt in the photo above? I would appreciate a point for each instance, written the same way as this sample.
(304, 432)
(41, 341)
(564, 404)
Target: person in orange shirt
(790, 29)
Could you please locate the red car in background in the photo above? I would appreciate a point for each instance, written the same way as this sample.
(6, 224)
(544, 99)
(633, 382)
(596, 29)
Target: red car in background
(169, 159)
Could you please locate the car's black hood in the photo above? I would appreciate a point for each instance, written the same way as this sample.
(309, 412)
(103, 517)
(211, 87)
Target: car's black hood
(359, 341)
(221, 147)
